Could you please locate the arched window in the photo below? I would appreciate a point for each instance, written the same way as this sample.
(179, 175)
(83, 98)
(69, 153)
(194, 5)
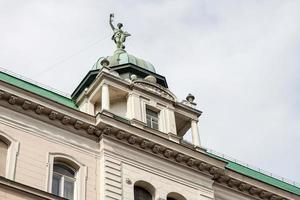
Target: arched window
(175, 196)
(63, 181)
(143, 191)
(141, 194)
(3, 157)
(67, 176)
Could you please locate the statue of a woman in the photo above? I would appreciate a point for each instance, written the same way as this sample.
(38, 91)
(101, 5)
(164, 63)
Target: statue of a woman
(119, 35)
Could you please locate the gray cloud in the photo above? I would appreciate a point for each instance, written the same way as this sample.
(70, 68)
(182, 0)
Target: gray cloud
(239, 58)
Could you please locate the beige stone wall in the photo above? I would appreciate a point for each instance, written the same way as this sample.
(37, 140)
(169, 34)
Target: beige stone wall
(37, 141)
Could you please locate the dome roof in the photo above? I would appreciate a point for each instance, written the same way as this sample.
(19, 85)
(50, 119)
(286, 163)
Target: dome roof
(122, 57)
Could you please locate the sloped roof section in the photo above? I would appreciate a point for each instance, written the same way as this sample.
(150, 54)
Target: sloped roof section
(244, 170)
(38, 90)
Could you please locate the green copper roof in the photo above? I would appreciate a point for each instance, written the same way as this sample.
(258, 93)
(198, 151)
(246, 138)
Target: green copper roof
(258, 175)
(122, 57)
(25, 85)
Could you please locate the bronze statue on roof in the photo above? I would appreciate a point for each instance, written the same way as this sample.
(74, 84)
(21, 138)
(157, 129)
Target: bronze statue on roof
(119, 35)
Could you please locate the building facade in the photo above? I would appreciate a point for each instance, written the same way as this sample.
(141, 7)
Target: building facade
(119, 136)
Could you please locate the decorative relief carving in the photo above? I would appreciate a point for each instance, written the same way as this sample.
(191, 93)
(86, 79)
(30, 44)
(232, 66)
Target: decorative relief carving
(168, 153)
(190, 162)
(179, 157)
(53, 115)
(91, 129)
(202, 166)
(66, 120)
(98, 132)
(144, 144)
(233, 183)
(254, 190)
(106, 130)
(132, 139)
(12, 100)
(39, 109)
(120, 135)
(223, 179)
(265, 195)
(155, 88)
(244, 187)
(26, 105)
(78, 124)
(156, 149)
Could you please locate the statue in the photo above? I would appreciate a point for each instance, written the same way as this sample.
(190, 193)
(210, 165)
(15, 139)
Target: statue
(119, 35)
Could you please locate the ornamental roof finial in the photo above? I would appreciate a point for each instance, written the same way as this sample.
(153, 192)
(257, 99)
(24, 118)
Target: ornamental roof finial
(119, 35)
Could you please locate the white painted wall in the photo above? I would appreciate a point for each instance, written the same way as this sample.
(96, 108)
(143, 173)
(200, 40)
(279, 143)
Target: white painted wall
(119, 107)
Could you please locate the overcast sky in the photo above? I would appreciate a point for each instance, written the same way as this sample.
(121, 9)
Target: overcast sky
(239, 58)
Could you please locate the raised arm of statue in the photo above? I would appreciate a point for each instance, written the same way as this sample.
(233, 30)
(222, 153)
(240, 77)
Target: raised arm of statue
(126, 34)
(111, 17)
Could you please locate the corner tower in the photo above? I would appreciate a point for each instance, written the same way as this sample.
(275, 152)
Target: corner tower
(126, 87)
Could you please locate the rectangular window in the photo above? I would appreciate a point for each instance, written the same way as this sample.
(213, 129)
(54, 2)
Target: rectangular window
(152, 119)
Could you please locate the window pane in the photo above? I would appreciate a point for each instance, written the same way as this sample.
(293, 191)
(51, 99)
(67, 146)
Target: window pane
(149, 122)
(152, 119)
(155, 125)
(3, 154)
(69, 189)
(63, 170)
(151, 113)
(56, 184)
(141, 194)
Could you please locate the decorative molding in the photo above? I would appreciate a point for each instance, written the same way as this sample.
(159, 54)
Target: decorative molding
(156, 89)
(217, 174)
(53, 115)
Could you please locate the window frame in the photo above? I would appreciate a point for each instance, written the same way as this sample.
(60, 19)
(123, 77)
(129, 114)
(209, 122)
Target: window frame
(11, 155)
(64, 178)
(80, 173)
(147, 186)
(152, 118)
(157, 107)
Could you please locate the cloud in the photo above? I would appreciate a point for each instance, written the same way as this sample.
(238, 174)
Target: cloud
(239, 58)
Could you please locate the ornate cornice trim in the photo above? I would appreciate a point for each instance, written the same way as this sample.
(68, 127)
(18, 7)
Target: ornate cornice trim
(217, 174)
(52, 115)
(155, 89)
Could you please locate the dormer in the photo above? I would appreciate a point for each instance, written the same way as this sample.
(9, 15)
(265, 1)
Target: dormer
(128, 88)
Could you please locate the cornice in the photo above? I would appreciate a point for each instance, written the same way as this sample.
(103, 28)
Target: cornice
(27, 189)
(219, 175)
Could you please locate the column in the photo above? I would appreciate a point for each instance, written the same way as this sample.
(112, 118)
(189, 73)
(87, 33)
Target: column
(170, 121)
(195, 132)
(105, 97)
(133, 107)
